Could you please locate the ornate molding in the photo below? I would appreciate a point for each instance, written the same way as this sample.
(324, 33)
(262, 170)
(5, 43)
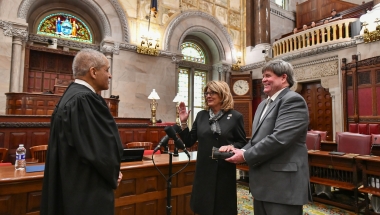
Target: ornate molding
(24, 124)
(127, 47)
(174, 56)
(122, 16)
(186, 15)
(132, 125)
(325, 82)
(221, 67)
(318, 50)
(26, 4)
(333, 58)
(10, 31)
(194, 65)
(367, 62)
(252, 66)
(316, 71)
(115, 49)
(209, 33)
(62, 42)
(56, 51)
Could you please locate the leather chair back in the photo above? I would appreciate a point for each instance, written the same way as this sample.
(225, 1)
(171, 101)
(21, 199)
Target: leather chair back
(353, 143)
(313, 141)
(322, 133)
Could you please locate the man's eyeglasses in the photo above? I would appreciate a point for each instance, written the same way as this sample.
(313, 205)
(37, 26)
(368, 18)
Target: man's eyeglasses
(209, 93)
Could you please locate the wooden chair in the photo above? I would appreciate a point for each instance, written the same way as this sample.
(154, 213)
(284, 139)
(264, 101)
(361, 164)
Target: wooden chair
(39, 152)
(3, 154)
(145, 145)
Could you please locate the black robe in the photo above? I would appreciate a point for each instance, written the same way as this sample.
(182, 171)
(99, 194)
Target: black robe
(83, 156)
(214, 187)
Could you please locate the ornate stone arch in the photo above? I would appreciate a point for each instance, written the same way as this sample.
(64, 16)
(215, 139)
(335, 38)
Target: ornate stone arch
(208, 33)
(197, 21)
(25, 6)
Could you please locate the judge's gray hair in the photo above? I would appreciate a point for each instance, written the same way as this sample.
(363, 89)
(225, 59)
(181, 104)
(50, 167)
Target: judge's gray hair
(280, 67)
(85, 59)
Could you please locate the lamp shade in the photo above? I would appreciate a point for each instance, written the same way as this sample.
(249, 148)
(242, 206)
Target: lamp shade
(178, 98)
(153, 95)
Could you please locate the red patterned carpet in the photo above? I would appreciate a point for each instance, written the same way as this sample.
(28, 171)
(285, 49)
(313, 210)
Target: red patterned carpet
(245, 205)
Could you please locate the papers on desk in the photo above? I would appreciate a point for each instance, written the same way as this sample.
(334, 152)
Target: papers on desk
(35, 168)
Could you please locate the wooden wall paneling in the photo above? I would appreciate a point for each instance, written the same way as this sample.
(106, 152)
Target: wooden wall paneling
(5, 203)
(140, 135)
(34, 201)
(50, 62)
(319, 104)
(2, 139)
(305, 12)
(245, 108)
(126, 136)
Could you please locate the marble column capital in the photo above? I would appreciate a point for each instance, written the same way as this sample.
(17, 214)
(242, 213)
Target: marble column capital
(110, 48)
(11, 29)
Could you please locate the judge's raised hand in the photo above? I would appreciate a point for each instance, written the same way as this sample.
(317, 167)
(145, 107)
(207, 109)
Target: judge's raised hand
(183, 113)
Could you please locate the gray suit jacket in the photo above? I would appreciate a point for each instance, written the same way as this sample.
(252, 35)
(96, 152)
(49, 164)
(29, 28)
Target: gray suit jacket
(277, 154)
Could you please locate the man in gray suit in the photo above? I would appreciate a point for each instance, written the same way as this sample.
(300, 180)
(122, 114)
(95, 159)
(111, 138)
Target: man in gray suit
(277, 153)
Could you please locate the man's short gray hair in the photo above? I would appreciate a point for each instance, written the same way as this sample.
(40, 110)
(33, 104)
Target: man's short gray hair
(280, 67)
(85, 59)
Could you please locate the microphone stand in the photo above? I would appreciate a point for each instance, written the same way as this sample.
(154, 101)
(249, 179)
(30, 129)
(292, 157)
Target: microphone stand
(169, 186)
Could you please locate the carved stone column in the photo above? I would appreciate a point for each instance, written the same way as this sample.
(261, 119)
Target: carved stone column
(108, 48)
(261, 10)
(16, 65)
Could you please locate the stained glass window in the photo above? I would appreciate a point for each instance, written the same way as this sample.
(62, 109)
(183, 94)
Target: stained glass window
(66, 26)
(192, 52)
(183, 84)
(200, 79)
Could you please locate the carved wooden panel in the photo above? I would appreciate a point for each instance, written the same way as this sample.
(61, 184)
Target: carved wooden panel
(148, 184)
(319, 103)
(245, 108)
(126, 188)
(5, 203)
(34, 201)
(126, 136)
(44, 68)
(147, 208)
(2, 139)
(42, 104)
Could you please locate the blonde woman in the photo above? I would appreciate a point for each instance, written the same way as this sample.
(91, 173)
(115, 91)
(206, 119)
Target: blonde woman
(214, 187)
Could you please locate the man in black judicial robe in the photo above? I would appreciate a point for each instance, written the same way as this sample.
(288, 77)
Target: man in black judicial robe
(83, 159)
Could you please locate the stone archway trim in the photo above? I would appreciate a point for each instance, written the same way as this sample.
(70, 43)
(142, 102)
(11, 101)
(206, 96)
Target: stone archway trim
(208, 33)
(26, 4)
(185, 15)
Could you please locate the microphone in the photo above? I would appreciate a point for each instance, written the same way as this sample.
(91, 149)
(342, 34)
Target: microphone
(177, 142)
(163, 142)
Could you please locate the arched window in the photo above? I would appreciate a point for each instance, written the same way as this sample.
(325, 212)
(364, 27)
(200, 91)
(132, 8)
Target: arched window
(191, 79)
(192, 52)
(64, 25)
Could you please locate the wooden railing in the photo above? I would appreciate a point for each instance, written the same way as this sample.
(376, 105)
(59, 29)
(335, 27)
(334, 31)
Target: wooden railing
(337, 31)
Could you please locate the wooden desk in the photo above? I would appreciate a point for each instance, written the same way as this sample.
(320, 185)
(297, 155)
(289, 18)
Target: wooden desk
(142, 190)
(335, 171)
(370, 166)
(327, 145)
